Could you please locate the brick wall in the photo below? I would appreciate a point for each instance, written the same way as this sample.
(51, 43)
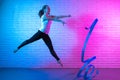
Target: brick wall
(20, 20)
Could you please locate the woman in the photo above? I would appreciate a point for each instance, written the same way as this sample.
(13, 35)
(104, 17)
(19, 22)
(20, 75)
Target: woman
(46, 19)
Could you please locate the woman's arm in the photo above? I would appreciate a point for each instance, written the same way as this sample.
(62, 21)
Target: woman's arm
(54, 18)
(59, 17)
(51, 17)
(60, 21)
(64, 16)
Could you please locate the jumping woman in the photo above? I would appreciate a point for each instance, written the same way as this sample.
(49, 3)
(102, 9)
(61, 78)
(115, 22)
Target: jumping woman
(43, 31)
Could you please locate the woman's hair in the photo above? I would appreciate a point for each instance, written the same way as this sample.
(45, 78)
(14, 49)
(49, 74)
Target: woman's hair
(41, 12)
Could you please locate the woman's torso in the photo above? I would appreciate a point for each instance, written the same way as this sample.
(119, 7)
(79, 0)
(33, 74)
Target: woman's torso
(44, 24)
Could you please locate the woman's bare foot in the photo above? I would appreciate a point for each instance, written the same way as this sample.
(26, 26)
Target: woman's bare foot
(15, 50)
(59, 62)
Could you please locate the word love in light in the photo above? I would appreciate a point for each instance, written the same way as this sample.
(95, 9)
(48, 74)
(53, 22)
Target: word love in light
(87, 70)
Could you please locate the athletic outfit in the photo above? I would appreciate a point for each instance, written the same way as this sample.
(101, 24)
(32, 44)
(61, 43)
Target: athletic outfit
(42, 33)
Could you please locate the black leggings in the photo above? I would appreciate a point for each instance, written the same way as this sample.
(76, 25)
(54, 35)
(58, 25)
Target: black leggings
(46, 39)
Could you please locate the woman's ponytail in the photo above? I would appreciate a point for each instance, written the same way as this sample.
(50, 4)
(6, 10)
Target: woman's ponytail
(41, 12)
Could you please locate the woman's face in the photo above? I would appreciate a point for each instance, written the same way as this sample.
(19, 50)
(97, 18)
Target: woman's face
(47, 10)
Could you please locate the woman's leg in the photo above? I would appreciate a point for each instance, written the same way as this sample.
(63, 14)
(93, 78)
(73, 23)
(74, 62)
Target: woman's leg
(48, 42)
(35, 37)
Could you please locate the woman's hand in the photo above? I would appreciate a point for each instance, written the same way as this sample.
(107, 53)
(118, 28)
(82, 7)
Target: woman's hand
(63, 22)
